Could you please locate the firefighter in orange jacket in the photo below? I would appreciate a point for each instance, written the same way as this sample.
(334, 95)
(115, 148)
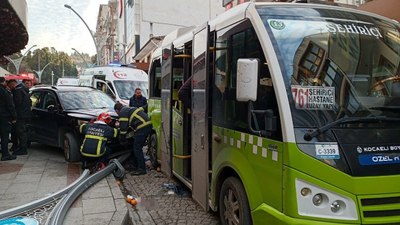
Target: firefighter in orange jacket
(95, 143)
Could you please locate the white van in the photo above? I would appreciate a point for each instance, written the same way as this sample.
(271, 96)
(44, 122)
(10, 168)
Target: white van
(119, 82)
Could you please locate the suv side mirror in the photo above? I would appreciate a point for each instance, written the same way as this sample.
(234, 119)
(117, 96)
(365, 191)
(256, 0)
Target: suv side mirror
(51, 108)
(247, 79)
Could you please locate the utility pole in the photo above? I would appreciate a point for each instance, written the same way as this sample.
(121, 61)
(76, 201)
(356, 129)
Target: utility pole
(39, 72)
(91, 34)
(84, 60)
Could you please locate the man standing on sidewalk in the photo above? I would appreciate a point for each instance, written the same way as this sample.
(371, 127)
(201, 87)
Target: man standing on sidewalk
(138, 100)
(23, 103)
(135, 120)
(7, 116)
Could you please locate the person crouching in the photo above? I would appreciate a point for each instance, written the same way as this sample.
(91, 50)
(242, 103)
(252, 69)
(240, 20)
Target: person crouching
(94, 146)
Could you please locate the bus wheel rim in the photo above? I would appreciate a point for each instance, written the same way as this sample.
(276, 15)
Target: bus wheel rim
(232, 208)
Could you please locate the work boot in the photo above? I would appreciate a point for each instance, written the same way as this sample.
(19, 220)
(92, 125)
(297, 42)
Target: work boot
(130, 167)
(138, 172)
(8, 157)
(21, 152)
(14, 148)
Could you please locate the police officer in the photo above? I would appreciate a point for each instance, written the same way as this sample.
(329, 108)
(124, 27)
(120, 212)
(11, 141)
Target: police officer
(135, 120)
(7, 116)
(96, 136)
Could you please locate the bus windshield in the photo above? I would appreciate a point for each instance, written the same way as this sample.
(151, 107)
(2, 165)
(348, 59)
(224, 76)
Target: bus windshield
(126, 88)
(335, 63)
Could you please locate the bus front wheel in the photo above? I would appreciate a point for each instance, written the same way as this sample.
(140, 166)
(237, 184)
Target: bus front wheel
(233, 204)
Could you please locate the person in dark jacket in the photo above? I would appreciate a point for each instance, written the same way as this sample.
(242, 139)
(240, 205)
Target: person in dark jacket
(132, 119)
(97, 134)
(185, 93)
(7, 116)
(23, 103)
(138, 100)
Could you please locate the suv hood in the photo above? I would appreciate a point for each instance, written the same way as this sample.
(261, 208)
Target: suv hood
(89, 114)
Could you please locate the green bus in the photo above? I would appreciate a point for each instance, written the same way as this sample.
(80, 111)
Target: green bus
(294, 115)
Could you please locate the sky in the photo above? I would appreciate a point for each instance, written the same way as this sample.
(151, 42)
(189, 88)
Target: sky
(50, 24)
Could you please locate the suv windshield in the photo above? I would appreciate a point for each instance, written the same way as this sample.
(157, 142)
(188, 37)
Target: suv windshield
(126, 88)
(85, 100)
(335, 63)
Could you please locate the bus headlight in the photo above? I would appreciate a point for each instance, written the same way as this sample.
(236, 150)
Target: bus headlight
(338, 206)
(315, 201)
(320, 199)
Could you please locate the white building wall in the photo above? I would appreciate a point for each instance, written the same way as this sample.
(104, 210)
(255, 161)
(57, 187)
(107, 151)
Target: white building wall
(159, 17)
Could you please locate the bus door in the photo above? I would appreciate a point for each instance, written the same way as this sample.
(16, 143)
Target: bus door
(166, 78)
(200, 136)
(181, 148)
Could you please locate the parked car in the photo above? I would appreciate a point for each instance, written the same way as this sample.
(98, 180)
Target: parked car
(57, 113)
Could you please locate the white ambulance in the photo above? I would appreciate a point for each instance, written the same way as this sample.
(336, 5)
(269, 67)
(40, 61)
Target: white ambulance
(117, 81)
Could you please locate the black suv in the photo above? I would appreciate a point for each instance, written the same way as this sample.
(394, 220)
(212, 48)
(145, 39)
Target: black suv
(57, 113)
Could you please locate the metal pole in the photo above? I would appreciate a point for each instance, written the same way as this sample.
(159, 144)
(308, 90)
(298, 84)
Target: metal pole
(125, 34)
(91, 34)
(84, 60)
(39, 73)
(17, 62)
(52, 78)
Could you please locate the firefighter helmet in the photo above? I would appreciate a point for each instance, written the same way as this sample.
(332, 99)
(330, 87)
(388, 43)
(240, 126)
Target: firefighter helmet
(105, 117)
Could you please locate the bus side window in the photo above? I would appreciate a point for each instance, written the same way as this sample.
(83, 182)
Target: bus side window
(234, 43)
(155, 80)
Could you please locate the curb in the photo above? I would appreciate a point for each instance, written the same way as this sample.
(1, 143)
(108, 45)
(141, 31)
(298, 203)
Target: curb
(121, 215)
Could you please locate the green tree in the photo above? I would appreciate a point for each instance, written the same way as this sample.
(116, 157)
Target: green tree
(61, 64)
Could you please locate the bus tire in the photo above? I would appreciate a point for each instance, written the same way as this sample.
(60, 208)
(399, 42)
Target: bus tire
(233, 204)
(152, 150)
(71, 148)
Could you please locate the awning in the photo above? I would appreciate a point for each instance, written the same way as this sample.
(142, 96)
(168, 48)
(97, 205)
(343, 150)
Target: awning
(148, 48)
(387, 8)
(13, 32)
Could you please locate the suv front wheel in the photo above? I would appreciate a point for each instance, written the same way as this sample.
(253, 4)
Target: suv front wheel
(71, 148)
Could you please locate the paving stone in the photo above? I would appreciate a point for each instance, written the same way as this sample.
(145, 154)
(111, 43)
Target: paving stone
(22, 188)
(97, 218)
(97, 192)
(31, 170)
(98, 205)
(74, 216)
(24, 178)
(166, 208)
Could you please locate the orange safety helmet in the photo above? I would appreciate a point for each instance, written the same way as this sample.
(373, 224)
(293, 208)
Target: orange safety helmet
(105, 117)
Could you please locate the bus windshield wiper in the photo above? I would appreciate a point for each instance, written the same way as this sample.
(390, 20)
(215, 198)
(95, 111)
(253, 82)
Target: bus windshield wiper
(311, 134)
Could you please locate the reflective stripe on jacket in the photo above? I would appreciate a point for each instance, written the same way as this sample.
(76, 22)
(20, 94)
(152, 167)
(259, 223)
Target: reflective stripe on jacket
(134, 118)
(96, 136)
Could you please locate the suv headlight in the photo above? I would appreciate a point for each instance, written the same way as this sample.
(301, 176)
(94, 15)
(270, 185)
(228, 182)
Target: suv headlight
(318, 202)
(80, 122)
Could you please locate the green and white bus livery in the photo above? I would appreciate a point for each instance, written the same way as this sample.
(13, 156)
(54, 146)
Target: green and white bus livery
(294, 115)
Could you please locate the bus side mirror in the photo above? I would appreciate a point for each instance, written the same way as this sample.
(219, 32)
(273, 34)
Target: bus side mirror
(247, 80)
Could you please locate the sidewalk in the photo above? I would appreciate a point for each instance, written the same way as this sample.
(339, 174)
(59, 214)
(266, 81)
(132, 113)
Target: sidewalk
(44, 171)
(163, 201)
